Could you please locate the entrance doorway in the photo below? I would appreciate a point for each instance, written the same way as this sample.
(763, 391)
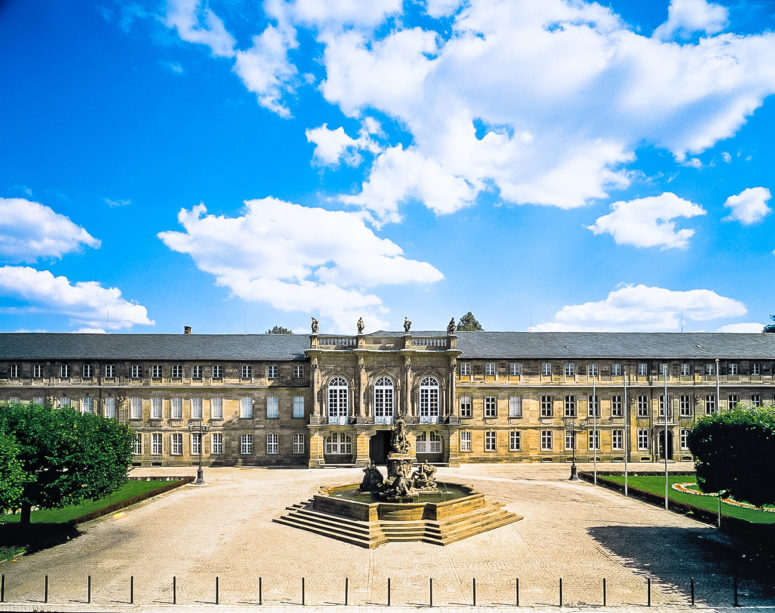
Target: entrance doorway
(379, 444)
(661, 439)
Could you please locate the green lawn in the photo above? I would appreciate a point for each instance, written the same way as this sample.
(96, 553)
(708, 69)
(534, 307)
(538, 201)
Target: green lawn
(656, 485)
(58, 516)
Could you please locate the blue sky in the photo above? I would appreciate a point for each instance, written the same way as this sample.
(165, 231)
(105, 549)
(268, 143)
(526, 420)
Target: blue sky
(237, 165)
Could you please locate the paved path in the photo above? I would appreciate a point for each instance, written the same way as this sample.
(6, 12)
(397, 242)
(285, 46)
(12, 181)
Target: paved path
(570, 530)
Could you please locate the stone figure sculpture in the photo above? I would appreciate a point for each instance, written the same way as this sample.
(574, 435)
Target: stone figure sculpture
(360, 325)
(451, 327)
(407, 325)
(314, 326)
(424, 476)
(372, 479)
(399, 443)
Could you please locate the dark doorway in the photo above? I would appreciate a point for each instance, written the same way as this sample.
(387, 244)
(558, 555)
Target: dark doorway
(378, 446)
(661, 439)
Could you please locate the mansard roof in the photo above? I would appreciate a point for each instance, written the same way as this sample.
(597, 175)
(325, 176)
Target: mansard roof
(473, 345)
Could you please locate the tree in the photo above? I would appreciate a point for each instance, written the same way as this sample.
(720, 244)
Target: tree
(468, 322)
(735, 451)
(12, 475)
(279, 330)
(66, 457)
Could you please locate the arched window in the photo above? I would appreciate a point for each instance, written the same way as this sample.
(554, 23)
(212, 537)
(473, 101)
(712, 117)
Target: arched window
(337, 400)
(338, 443)
(383, 401)
(429, 400)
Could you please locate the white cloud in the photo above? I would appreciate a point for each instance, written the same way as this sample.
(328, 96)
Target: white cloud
(298, 258)
(441, 8)
(86, 303)
(30, 230)
(336, 14)
(118, 202)
(643, 308)
(197, 24)
(749, 206)
(685, 17)
(333, 146)
(742, 327)
(648, 222)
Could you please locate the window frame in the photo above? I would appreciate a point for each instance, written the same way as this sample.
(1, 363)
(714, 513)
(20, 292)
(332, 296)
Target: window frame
(643, 439)
(217, 371)
(272, 407)
(299, 444)
(216, 403)
(489, 369)
(547, 406)
(176, 443)
(515, 440)
(465, 440)
(547, 440)
(271, 371)
(157, 446)
(490, 407)
(157, 407)
(246, 444)
(176, 407)
(197, 408)
(246, 372)
(197, 370)
(216, 443)
(246, 407)
(176, 371)
(135, 407)
(298, 402)
(617, 439)
(465, 369)
(617, 406)
(515, 407)
(272, 443)
(429, 400)
(490, 441)
(570, 405)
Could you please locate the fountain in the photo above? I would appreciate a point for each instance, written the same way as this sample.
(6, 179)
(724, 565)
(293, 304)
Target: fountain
(404, 506)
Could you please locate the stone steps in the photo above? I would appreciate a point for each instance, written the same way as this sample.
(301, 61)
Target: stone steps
(486, 517)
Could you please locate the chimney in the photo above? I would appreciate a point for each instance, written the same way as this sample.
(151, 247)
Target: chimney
(186, 329)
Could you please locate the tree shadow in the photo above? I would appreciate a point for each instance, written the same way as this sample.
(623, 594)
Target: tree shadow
(38, 536)
(674, 556)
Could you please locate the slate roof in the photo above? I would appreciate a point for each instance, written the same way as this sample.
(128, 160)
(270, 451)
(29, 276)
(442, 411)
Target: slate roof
(496, 345)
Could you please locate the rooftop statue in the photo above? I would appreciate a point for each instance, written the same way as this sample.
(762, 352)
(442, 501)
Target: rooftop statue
(360, 325)
(314, 326)
(451, 327)
(407, 325)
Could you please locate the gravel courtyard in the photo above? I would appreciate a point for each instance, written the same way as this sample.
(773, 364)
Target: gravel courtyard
(570, 530)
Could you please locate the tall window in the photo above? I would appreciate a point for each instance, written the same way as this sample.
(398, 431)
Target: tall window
(217, 443)
(156, 444)
(465, 406)
(135, 371)
(246, 444)
(196, 408)
(64, 371)
(37, 371)
(39, 400)
(196, 372)
(546, 369)
(685, 405)
(88, 371)
(138, 447)
(271, 371)
(465, 441)
(217, 371)
(710, 404)
(247, 371)
(87, 405)
(570, 440)
(546, 440)
(176, 440)
(156, 371)
(594, 439)
(684, 438)
(732, 369)
(592, 370)
(756, 368)
(489, 369)
(643, 406)
(617, 439)
(298, 444)
(489, 440)
(272, 445)
(546, 406)
(686, 369)
(64, 401)
(383, 401)
(110, 371)
(570, 406)
(15, 370)
(176, 411)
(515, 440)
(246, 407)
(196, 443)
(515, 369)
(428, 442)
(515, 406)
(710, 369)
(135, 408)
(110, 408)
(643, 369)
(177, 371)
(570, 369)
(272, 409)
(465, 369)
(662, 407)
(298, 373)
(643, 439)
(155, 408)
(594, 406)
(338, 396)
(616, 369)
(338, 443)
(732, 401)
(616, 406)
(216, 408)
(756, 400)
(298, 406)
(490, 406)
(429, 400)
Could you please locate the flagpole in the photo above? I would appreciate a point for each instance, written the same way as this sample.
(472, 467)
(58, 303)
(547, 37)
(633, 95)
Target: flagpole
(594, 426)
(626, 432)
(664, 372)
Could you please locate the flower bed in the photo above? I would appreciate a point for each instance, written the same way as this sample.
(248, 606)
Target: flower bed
(686, 489)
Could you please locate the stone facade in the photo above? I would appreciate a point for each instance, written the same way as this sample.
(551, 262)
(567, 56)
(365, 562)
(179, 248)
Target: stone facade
(328, 400)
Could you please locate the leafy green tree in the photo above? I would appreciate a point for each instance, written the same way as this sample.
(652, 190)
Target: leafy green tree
(735, 451)
(12, 475)
(469, 322)
(66, 457)
(279, 330)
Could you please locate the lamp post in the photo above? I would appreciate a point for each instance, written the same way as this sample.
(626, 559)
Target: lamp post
(199, 427)
(570, 424)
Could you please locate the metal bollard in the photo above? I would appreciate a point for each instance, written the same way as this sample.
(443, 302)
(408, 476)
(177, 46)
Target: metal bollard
(88, 589)
(648, 603)
(737, 602)
(260, 596)
(45, 589)
(174, 591)
(691, 588)
(517, 601)
(346, 589)
(216, 591)
(302, 591)
(131, 590)
(474, 590)
(430, 592)
(560, 591)
(604, 593)
(2, 588)
(388, 591)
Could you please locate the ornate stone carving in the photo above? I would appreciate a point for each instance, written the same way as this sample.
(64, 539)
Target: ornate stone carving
(315, 325)
(451, 327)
(407, 325)
(372, 479)
(399, 443)
(360, 325)
(424, 477)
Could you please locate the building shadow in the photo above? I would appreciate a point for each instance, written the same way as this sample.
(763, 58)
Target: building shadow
(671, 557)
(38, 536)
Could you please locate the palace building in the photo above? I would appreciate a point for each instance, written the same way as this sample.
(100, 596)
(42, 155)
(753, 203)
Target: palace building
(329, 400)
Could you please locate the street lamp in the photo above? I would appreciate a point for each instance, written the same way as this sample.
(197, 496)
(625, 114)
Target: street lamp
(570, 425)
(199, 427)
